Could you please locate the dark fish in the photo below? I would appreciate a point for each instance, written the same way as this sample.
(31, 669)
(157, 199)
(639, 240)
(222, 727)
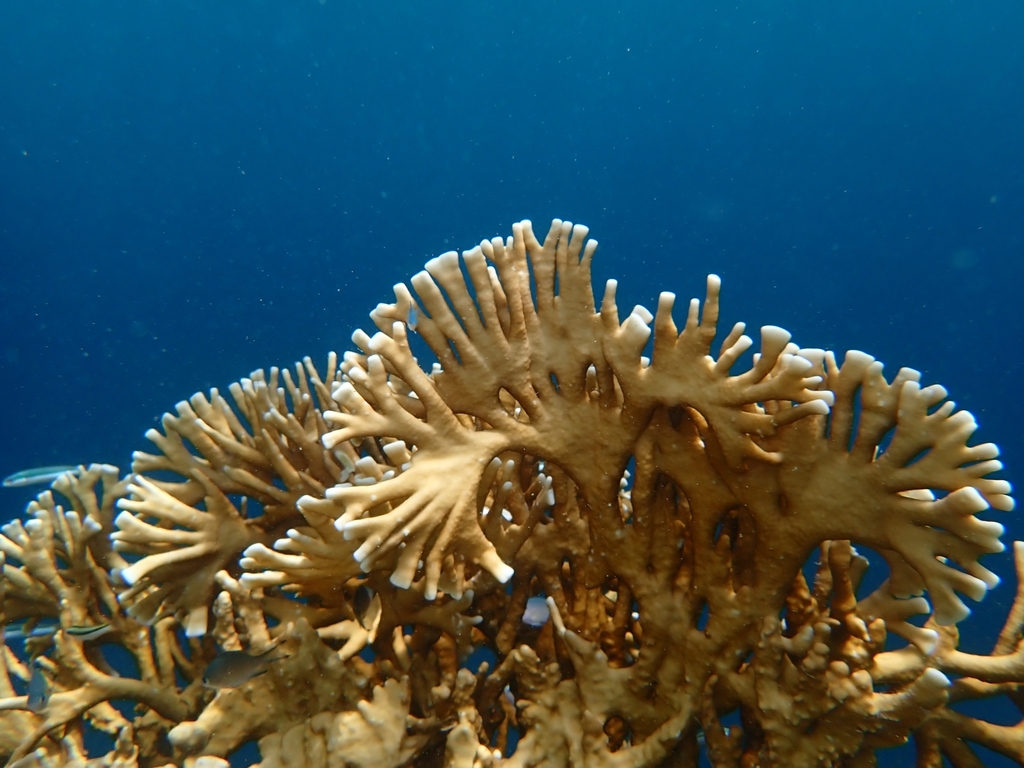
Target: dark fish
(234, 668)
(38, 475)
(361, 600)
(38, 691)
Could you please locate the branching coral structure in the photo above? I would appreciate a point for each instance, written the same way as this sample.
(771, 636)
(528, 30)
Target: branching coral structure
(575, 539)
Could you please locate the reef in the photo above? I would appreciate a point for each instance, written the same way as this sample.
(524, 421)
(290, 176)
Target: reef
(571, 539)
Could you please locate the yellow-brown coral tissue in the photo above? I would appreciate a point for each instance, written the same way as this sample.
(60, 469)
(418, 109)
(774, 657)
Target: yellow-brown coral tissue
(513, 527)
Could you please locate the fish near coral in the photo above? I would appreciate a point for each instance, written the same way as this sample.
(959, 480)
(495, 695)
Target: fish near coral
(536, 613)
(48, 628)
(39, 475)
(39, 690)
(232, 669)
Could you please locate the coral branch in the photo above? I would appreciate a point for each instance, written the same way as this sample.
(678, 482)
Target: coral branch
(183, 549)
(625, 540)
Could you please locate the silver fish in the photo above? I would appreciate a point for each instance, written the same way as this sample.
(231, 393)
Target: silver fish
(38, 691)
(83, 632)
(87, 632)
(537, 612)
(234, 668)
(39, 475)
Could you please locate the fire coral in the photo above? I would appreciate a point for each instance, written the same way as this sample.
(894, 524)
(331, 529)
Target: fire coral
(384, 527)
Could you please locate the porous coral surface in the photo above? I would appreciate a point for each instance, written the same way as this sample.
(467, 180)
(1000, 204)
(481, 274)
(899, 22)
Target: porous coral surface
(616, 513)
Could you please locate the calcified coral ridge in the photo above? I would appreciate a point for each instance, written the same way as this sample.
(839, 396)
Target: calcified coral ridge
(382, 527)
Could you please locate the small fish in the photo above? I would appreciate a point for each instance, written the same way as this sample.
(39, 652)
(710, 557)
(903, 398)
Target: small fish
(39, 475)
(361, 600)
(85, 633)
(234, 668)
(38, 691)
(537, 612)
(414, 319)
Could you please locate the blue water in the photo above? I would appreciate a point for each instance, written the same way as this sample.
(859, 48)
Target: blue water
(189, 191)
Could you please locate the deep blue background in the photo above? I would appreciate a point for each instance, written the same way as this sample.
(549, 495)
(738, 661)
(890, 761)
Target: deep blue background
(192, 191)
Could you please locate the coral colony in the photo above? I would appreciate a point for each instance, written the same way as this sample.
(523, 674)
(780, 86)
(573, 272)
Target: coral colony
(319, 560)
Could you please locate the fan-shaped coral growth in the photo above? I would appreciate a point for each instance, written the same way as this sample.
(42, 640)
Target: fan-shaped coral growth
(623, 537)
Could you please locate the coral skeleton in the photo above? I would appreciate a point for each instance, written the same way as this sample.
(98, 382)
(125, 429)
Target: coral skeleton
(561, 537)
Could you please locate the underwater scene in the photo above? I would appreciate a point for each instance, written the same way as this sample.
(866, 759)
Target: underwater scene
(500, 385)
